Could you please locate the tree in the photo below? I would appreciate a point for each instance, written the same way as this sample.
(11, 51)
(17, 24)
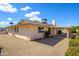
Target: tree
(74, 28)
(46, 34)
(11, 23)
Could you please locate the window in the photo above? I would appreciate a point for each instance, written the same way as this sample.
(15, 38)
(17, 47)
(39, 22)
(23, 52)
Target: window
(40, 29)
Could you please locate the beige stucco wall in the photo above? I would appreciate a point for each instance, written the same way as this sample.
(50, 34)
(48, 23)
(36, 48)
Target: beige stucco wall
(30, 32)
(27, 34)
(33, 34)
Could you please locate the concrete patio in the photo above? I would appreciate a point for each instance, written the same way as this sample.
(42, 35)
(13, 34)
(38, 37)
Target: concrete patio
(13, 46)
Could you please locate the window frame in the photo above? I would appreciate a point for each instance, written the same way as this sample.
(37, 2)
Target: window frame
(40, 29)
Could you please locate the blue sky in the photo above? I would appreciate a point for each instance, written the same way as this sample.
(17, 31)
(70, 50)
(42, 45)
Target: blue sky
(64, 14)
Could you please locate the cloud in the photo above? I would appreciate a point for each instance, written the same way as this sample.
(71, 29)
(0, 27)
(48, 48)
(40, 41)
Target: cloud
(4, 23)
(9, 19)
(25, 8)
(34, 13)
(15, 22)
(7, 23)
(33, 16)
(5, 7)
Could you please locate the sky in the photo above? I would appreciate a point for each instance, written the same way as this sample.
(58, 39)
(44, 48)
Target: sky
(65, 14)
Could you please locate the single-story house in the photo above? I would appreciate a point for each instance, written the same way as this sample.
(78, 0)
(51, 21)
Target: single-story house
(29, 30)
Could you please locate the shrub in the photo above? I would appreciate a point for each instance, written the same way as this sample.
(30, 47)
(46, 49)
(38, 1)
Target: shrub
(73, 36)
(78, 33)
(47, 34)
(73, 31)
(59, 32)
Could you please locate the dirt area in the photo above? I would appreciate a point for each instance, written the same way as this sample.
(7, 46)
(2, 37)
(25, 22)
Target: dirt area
(13, 46)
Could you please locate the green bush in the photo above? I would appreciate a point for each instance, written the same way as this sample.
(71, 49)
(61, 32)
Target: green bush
(47, 34)
(73, 31)
(77, 33)
(74, 36)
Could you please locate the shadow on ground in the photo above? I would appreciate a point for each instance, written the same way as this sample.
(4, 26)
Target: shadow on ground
(0, 50)
(52, 41)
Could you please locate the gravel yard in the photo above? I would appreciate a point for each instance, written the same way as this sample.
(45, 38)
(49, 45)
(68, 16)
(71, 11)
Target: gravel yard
(13, 46)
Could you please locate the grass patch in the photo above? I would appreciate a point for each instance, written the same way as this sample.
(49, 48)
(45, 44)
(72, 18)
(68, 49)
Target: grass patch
(74, 43)
(72, 51)
(73, 48)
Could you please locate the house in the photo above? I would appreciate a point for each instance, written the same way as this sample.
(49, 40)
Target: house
(30, 30)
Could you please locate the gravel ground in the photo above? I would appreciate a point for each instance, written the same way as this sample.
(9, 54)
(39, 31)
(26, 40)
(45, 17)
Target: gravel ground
(13, 46)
